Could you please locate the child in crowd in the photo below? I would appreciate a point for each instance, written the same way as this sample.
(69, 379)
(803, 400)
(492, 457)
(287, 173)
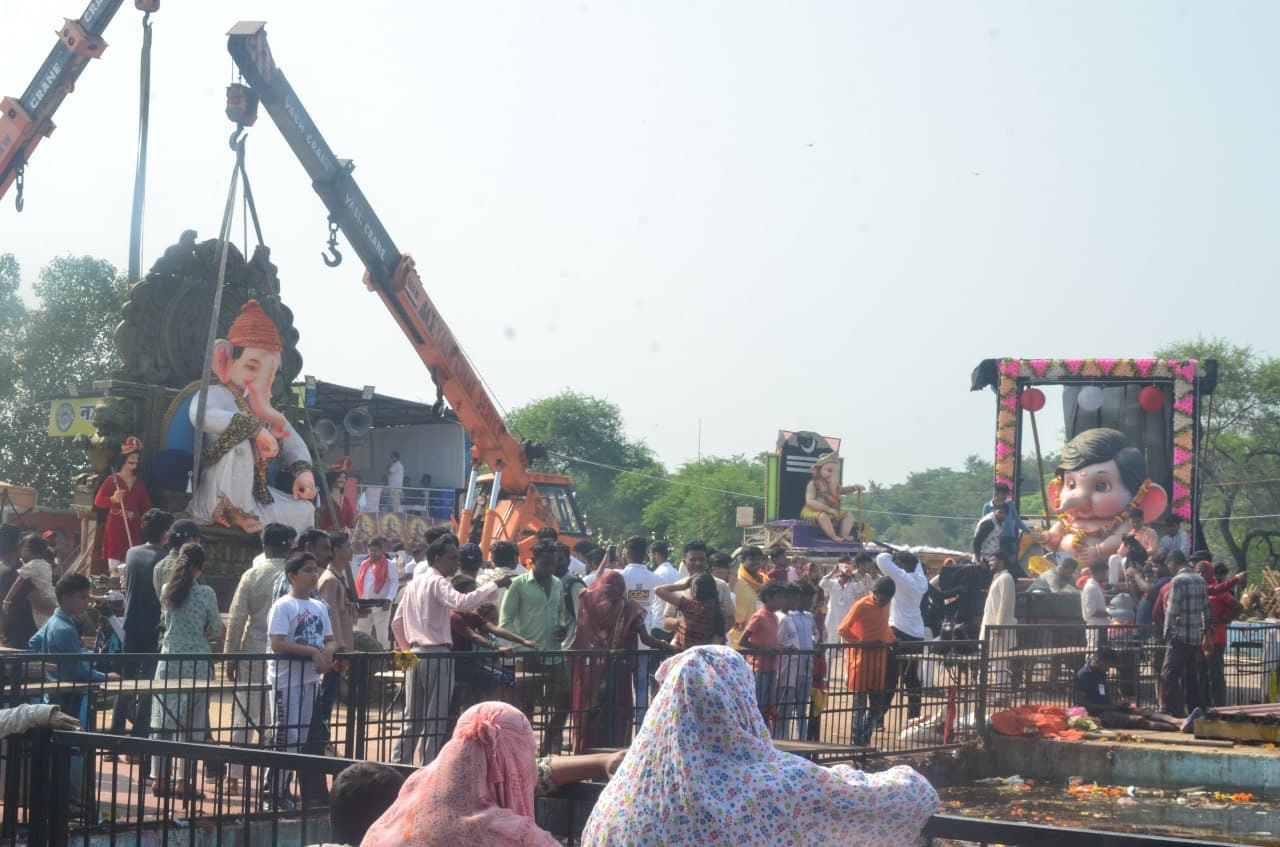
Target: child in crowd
(35, 579)
(760, 643)
(61, 634)
(698, 601)
(360, 795)
(301, 637)
(110, 636)
(802, 621)
(788, 662)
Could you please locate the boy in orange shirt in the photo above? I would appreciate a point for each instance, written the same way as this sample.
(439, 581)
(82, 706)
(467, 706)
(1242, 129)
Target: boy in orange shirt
(868, 624)
(760, 644)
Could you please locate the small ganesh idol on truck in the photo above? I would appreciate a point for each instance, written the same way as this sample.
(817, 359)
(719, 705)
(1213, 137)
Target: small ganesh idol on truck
(243, 433)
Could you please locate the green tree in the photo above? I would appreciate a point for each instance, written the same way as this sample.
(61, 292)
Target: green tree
(940, 507)
(584, 438)
(937, 507)
(701, 499)
(67, 339)
(1239, 462)
(13, 316)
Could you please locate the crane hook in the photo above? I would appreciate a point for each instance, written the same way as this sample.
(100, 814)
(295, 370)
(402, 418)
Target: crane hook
(236, 141)
(335, 255)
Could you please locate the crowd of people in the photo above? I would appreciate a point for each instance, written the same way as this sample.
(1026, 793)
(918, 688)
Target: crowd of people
(1153, 587)
(751, 618)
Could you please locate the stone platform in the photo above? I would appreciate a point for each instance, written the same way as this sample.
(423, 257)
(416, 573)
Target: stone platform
(1148, 760)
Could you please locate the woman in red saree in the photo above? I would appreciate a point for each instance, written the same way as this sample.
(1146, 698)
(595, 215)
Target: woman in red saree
(607, 620)
(125, 498)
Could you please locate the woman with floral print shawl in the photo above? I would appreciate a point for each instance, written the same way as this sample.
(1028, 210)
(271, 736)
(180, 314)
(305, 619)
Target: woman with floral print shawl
(702, 772)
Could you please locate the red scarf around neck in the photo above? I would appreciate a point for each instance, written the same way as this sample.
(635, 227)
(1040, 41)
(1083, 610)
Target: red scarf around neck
(379, 566)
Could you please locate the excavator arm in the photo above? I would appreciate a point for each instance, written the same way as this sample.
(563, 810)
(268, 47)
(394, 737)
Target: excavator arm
(388, 272)
(27, 121)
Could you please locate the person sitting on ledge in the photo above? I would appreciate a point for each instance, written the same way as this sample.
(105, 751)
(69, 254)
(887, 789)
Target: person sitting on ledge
(702, 772)
(481, 788)
(1094, 693)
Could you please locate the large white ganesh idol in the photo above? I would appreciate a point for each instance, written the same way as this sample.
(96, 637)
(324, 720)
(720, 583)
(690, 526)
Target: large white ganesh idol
(243, 433)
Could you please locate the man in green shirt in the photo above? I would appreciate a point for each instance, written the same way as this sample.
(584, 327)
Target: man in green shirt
(533, 608)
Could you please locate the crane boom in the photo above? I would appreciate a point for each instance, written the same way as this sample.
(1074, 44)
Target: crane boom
(388, 272)
(25, 122)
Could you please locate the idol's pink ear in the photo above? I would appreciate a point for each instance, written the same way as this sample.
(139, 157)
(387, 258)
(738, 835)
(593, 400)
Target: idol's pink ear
(1154, 502)
(222, 358)
(1055, 494)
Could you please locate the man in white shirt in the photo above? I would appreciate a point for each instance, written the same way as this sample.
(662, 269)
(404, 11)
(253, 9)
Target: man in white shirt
(421, 624)
(377, 578)
(1093, 604)
(842, 590)
(640, 584)
(578, 558)
(906, 622)
(664, 574)
(395, 480)
(998, 611)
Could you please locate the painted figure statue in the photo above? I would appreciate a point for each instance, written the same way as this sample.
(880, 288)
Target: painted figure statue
(1098, 480)
(125, 498)
(243, 433)
(822, 499)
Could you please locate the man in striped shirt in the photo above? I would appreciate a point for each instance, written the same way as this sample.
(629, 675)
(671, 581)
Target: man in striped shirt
(1185, 622)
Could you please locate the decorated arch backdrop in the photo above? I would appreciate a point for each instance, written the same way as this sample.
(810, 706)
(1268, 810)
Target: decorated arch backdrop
(1181, 382)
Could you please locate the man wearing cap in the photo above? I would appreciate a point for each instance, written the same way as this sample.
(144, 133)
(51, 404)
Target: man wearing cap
(243, 433)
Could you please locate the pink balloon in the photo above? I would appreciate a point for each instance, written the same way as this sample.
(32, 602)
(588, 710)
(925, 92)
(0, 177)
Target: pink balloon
(1151, 399)
(1032, 399)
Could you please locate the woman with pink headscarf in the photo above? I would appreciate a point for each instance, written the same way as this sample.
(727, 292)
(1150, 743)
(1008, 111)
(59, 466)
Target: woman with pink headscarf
(607, 620)
(477, 793)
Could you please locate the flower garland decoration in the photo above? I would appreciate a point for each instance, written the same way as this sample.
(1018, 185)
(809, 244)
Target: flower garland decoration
(404, 660)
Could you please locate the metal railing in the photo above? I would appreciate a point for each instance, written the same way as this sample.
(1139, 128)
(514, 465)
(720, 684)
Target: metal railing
(836, 703)
(1037, 663)
(437, 503)
(221, 735)
(75, 799)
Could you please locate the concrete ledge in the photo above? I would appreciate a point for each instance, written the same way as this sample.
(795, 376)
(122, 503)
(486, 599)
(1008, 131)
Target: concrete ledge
(1146, 763)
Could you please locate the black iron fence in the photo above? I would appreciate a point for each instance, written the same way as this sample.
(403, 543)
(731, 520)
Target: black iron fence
(1038, 663)
(74, 798)
(850, 703)
(836, 703)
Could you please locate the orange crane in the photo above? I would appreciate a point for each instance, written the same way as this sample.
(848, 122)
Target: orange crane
(520, 501)
(26, 121)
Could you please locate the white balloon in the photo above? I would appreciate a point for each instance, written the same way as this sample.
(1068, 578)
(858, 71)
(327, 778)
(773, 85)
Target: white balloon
(1090, 398)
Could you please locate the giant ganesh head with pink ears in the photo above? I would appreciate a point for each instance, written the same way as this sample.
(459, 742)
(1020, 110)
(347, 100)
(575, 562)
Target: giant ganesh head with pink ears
(1099, 478)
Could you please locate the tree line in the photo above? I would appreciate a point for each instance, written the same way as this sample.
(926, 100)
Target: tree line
(622, 487)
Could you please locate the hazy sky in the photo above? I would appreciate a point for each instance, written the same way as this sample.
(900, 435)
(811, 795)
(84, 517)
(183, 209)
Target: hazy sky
(799, 215)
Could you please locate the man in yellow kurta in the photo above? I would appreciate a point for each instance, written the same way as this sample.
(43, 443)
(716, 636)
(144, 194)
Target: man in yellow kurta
(750, 578)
